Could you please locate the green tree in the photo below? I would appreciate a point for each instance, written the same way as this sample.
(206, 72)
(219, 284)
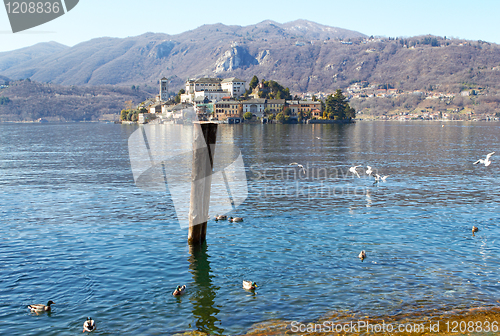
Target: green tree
(300, 116)
(135, 116)
(349, 113)
(337, 108)
(287, 111)
(124, 114)
(253, 82)
(280, 117)
(129, 115)
(248, 115)
(178, 96)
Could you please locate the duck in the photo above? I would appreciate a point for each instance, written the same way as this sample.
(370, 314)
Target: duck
(362, 255)
(179, 290)
(249, 284)
(221, 217)
(89, 325)
(474, 229)
(237, 219)
(37, 308)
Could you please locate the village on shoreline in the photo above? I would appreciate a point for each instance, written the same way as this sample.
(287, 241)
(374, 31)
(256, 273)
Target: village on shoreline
(229, 101)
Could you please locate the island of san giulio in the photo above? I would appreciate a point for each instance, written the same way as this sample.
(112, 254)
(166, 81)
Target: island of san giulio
(229, 101)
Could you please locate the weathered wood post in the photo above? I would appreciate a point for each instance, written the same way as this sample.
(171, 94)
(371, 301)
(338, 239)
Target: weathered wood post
(205, 134)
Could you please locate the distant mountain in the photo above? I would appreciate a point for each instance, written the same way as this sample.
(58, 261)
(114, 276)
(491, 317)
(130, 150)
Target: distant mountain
(207, 50)
(4, 80)
(11, 59)
(302, 55)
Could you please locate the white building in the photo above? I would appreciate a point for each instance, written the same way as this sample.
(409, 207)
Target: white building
(210, 95)
(255, 106)
(203, 84)
(213, 88)
(236, 87)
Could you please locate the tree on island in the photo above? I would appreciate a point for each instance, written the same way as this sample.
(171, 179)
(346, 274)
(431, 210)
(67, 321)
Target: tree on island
(248, 115)
(178, 97)
(253, 82)
(123, 115)
(274, 90)
(285, 117)
(337, 107)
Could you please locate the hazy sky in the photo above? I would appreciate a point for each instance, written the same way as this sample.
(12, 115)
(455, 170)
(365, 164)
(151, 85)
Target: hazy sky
(475, 20)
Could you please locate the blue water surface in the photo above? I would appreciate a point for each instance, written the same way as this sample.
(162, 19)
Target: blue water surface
(75, 229)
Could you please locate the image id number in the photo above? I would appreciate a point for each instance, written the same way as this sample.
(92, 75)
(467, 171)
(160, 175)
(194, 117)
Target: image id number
(32, 7)
(472, 326)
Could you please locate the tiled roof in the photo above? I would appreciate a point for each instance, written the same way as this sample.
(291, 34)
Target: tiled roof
(254, 101)
(232, 79)
(208, 80)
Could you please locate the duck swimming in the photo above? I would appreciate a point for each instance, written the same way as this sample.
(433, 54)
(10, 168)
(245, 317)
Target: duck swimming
(89, 325)
(362, 255)
(249, 285)
(37, 308)
(179, 290)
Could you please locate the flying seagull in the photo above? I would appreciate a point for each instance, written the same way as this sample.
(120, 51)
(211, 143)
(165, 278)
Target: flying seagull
(486, 161)
(369, 171)
(353, 171)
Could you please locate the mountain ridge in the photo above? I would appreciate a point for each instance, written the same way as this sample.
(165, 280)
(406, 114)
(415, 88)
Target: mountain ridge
(303, 55)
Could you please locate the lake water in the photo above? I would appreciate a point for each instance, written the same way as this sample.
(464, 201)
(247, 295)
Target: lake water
(75, 229)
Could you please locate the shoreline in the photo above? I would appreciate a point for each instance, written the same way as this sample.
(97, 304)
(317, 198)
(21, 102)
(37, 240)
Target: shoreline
(318, 122)
(477, 320)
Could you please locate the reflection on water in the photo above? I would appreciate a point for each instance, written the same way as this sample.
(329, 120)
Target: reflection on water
(204, 292)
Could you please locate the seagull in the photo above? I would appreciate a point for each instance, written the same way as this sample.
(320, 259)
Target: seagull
(486, 161)
(362, 255)
(380, 178)
(369, 171)
(353, 170)
(318, 138)
(298, 165)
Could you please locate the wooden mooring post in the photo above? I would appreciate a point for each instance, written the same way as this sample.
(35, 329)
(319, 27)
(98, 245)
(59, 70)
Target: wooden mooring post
(205, 134)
